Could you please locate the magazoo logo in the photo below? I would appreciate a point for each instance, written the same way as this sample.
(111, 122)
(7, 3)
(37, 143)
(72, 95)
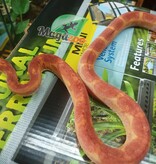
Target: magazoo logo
(66, 27)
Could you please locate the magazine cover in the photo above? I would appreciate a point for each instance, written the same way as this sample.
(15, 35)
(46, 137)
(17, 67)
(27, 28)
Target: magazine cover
(40, 128)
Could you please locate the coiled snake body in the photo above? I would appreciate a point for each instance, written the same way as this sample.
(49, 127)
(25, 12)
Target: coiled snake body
(134, 120)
